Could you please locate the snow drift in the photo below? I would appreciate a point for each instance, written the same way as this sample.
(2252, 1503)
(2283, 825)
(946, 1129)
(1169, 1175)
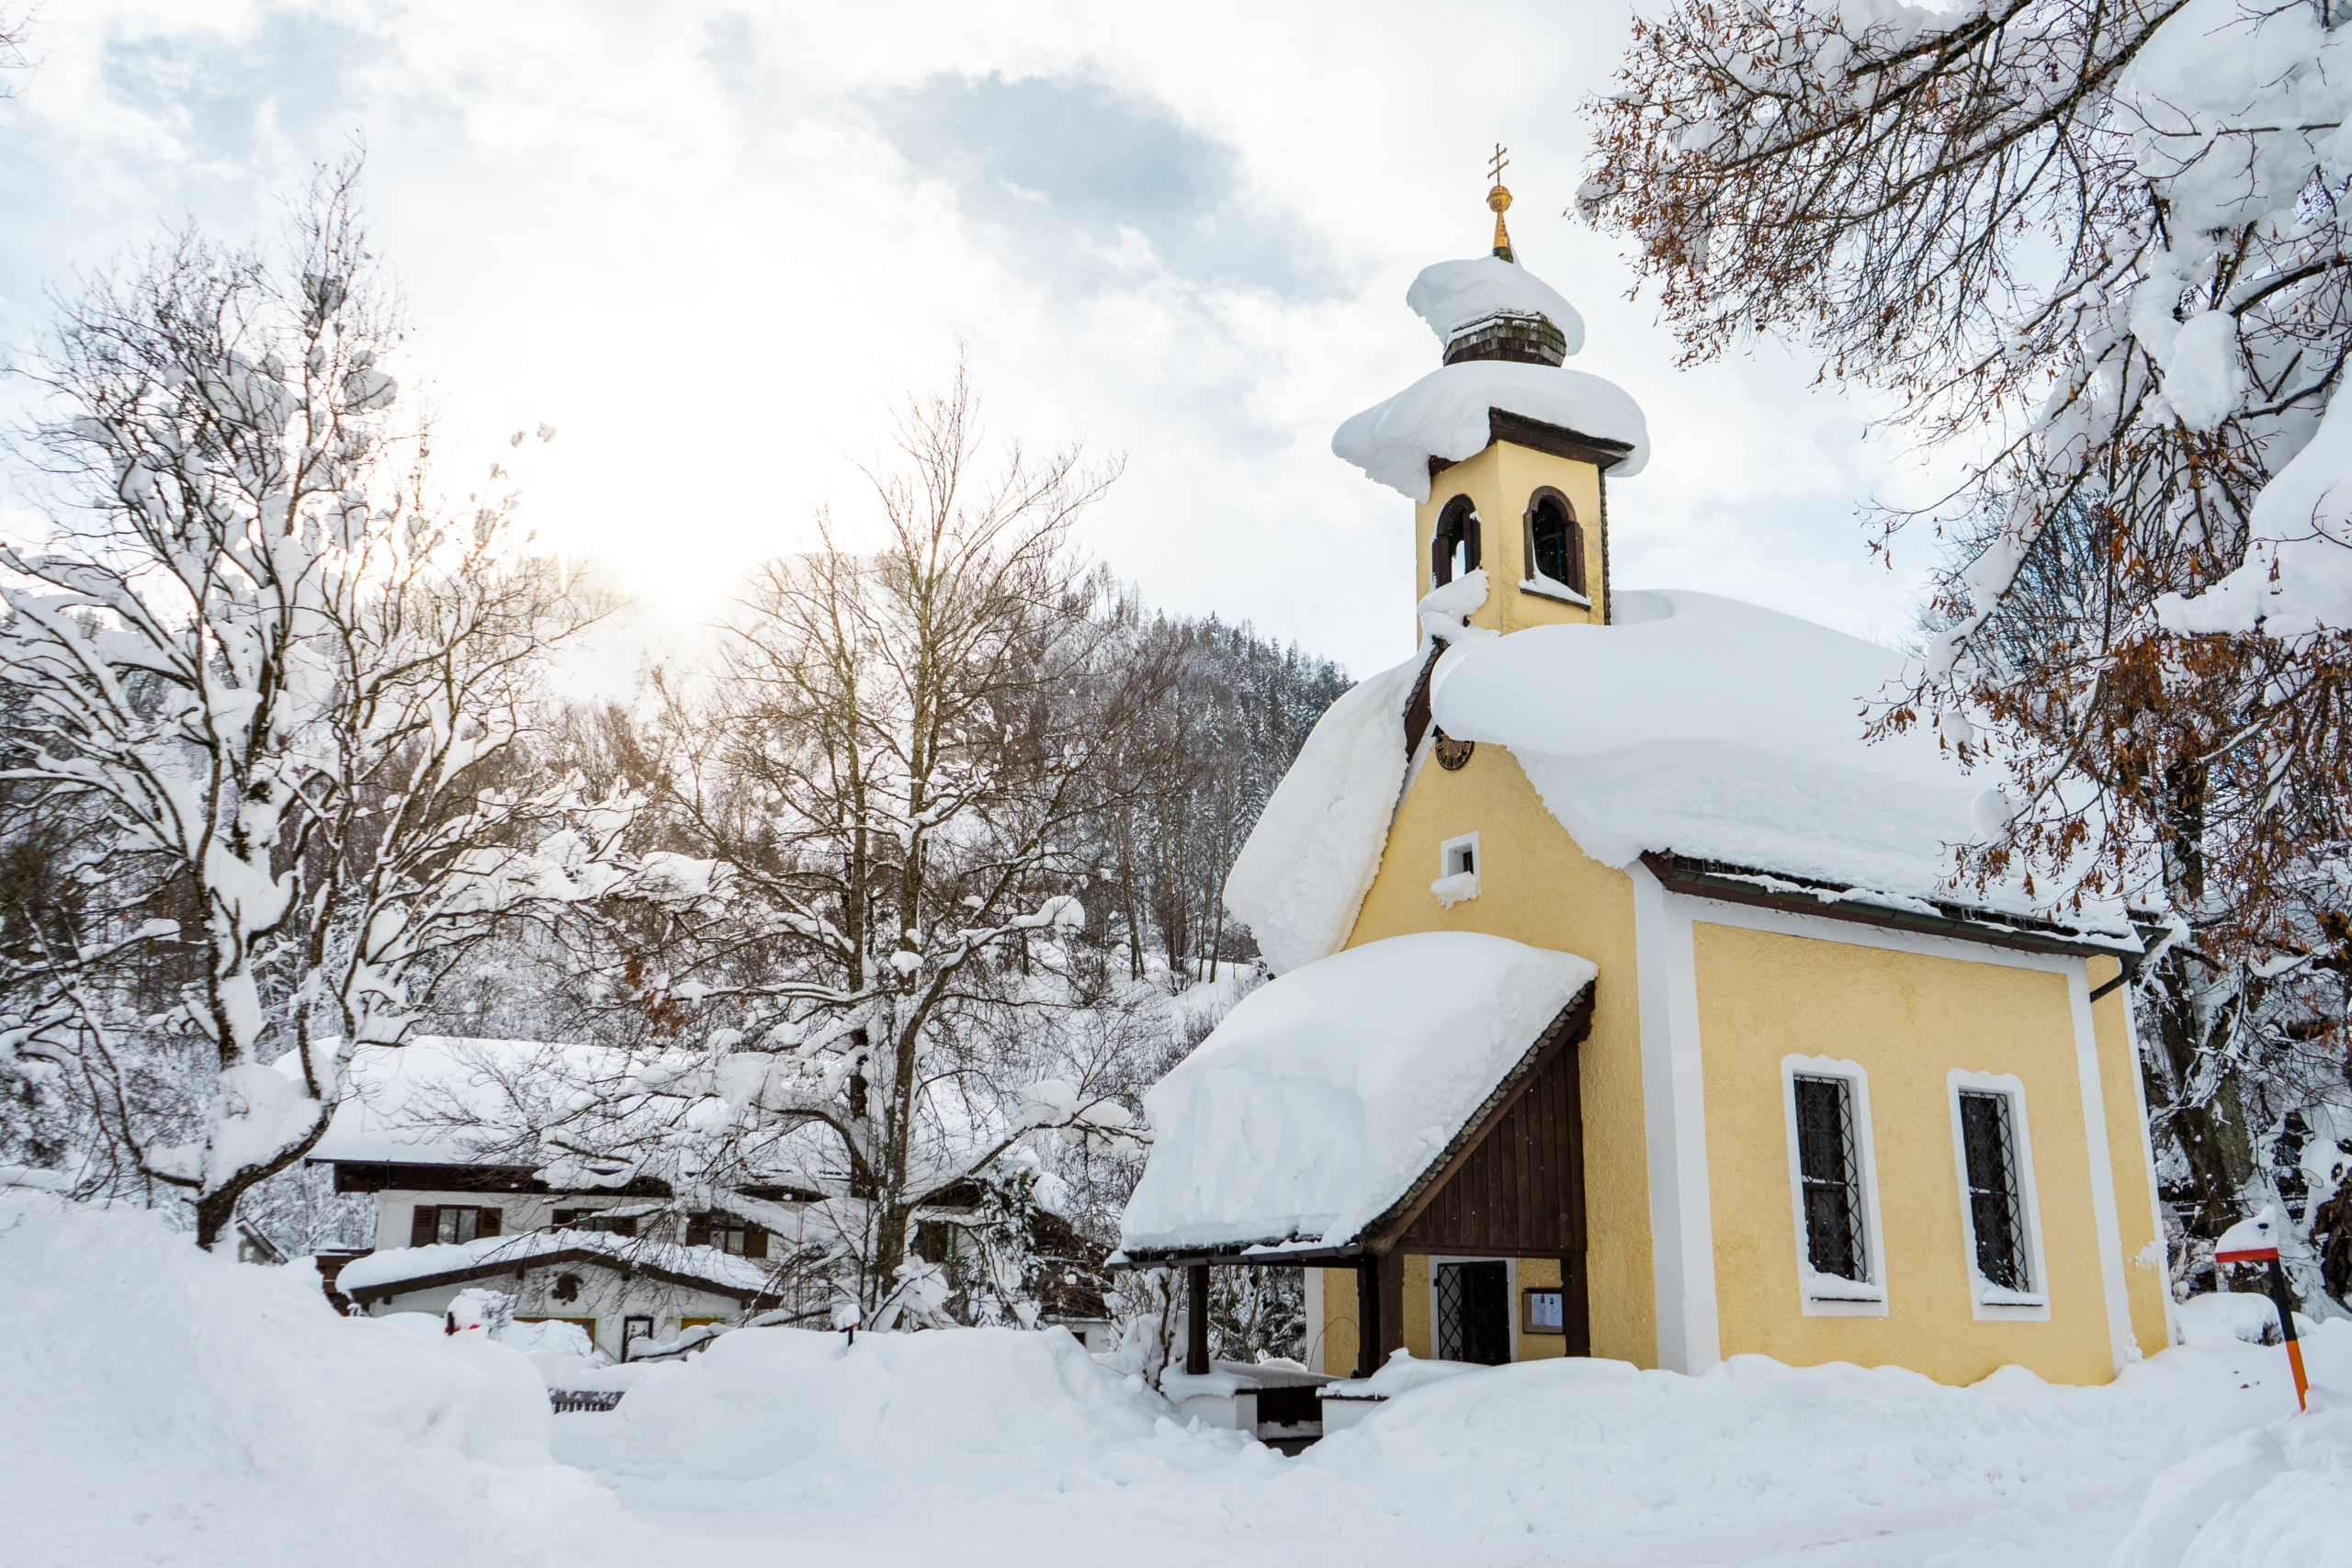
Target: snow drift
(766, 1400)
(1322, 1096)
(169, 1405)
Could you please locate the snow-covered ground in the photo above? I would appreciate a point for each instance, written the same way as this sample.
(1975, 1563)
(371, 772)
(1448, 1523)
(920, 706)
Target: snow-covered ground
(167, 1408)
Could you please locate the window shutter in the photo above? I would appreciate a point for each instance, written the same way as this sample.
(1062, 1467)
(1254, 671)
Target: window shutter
(755, 1242)
(422, 1221)
(491, 1218)
(697, 1230)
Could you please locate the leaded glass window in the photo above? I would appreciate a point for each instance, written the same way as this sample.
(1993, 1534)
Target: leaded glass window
(1830, 1172)
(1994, 1210)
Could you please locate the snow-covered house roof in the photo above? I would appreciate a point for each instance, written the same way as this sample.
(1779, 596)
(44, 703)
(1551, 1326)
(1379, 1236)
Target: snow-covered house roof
(1692, 726)
(539, 1107)
(1322, 1101)
(438, 1100)
(403, 1269)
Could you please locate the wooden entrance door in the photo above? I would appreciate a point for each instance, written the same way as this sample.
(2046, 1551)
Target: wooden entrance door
(1473, 1312)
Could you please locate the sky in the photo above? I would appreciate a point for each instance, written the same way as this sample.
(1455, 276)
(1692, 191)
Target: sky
(711, 243)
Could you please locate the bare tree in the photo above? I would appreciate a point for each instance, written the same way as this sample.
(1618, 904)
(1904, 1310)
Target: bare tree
(890, 785)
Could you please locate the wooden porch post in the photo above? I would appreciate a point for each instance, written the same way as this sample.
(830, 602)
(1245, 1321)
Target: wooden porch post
(1392, 1303)
(1196, 1320)
(1367, 1315)
(1575, 1305)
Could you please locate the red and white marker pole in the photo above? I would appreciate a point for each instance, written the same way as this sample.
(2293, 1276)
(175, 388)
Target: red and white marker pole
(2227, 1253)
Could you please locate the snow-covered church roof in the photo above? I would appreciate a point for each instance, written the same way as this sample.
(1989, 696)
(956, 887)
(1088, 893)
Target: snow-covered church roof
(1328, 1093)
(1447, 414)
(1692, 726)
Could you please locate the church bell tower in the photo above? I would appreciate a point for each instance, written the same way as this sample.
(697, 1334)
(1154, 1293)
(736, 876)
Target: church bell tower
(1505, 452)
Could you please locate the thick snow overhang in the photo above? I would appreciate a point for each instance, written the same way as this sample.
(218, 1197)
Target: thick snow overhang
(1799, 896)
(401, 1271)
(1723, 734)
(1458, 410)
(1331, 1104)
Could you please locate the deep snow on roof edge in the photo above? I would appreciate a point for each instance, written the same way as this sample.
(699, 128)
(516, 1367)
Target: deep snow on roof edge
(1693, 725)
(1327, 1092)
(1445, 415)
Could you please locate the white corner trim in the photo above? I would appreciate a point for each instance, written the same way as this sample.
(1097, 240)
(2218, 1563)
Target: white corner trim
(1822, 1295)
(1674, 1117)
(2095, 1141)
(2148, 1163)
(1544, 588)
(1315, 1324)
(1988, 1303)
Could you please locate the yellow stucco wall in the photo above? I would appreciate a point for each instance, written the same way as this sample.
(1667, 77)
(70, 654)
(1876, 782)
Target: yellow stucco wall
(2128, 1152)
(1537, 888)
(1499, 482)
(1907, 1020)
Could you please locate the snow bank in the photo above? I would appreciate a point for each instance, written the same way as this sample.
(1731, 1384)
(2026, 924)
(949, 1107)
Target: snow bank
(166, 1405)
(1323, 1096)
(1454, 296)
(1302, 874)
(764, 1400)
(2236, 1477)
(1722, 731)
(1444, 415)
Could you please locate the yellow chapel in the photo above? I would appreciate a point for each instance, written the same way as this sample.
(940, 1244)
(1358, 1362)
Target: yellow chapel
(1624, 1003)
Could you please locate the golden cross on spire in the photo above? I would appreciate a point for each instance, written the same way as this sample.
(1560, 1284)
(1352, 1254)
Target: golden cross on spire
(1498, 200)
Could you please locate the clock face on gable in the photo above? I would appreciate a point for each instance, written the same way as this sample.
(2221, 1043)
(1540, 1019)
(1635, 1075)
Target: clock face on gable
(1452, 754)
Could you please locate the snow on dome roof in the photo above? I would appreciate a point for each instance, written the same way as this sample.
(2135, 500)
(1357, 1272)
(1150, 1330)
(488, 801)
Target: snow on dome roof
(1721, 730)
(1454, 296)
(1325, 1094)
(1445, 415)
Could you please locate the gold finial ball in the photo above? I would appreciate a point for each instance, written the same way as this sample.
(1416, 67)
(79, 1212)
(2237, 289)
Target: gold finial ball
(1498, 199)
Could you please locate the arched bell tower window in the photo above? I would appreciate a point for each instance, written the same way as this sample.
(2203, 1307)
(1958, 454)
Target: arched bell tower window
(1554, 542)
(1457, 534)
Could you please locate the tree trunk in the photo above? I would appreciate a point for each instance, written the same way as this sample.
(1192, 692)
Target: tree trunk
(2213, 1135)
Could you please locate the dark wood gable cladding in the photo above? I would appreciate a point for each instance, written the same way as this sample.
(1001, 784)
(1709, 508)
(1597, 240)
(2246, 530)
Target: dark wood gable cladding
(1520, 1191)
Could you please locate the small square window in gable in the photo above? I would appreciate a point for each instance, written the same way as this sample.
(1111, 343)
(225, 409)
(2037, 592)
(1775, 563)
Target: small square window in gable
(1458, 870)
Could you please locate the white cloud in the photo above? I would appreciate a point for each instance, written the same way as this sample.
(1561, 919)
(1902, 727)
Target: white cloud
(687, 237)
